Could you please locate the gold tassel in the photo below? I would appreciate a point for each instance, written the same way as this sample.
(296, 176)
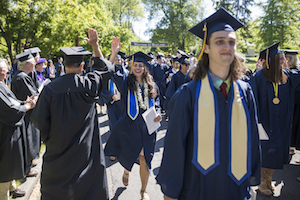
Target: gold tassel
(204, 42)
(132, 64)
(267, 59)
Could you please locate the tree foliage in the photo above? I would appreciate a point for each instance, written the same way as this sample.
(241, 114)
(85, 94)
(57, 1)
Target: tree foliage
(239, 8)
(281, 22)
(178, 17)
(50, 24)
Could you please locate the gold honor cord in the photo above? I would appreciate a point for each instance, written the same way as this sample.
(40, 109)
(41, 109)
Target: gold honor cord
(204, 42)
(267, 59)
(132, 64)
(276, 100)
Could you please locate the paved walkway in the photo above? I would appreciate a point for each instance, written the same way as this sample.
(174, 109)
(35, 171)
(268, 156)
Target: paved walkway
(287, 187)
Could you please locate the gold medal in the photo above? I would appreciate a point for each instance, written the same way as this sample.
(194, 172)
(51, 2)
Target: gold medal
(276, 100)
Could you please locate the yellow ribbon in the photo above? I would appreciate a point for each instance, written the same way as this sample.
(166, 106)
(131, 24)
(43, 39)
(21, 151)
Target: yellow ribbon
(275, 86)
(132, 64)
(267, 59)
(204, 42)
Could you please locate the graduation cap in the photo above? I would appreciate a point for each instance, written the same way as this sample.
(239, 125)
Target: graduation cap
(160, 55)
(270, 52)
(74, 54)
(290, 52)
(184, 59)
(181, 52)
(26, 55)
(139, 57)
(221, 20)
(34, 51)
(120, 55)
(41, 60)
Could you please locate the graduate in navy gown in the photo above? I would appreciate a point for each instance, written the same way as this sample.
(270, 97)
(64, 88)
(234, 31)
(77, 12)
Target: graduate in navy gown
(274, 89)
(211, 148)
(177, 79)
(74, 162)
(130, 139)
(158, 73)
(174, 68)
(112, 96)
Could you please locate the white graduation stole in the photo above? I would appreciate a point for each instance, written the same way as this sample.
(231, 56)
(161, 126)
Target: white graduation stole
(206, 131)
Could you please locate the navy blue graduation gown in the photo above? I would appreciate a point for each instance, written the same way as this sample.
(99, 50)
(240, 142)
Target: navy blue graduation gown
(129, 136)
(276, 119)
(178, 177)
(74, 161)
(177, 80)
(12, 133)
(22, 85)
(158, 73)
(115, 109)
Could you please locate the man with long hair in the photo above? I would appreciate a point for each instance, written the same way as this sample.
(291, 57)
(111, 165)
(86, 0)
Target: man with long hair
(211, 149)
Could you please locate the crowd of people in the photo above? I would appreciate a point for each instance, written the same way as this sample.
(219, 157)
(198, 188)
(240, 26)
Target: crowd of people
(217, 112)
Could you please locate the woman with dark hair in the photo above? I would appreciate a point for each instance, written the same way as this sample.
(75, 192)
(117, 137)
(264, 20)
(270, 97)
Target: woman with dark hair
(130, 138)
(274, 89)
(50, 70)
(211, 148)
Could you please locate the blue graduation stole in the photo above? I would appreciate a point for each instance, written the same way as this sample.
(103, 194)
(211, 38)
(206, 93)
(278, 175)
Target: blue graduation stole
(206, 131)
(133, 105)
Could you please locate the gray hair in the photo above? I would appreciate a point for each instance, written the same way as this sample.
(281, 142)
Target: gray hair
(3, 64)
(293, 60)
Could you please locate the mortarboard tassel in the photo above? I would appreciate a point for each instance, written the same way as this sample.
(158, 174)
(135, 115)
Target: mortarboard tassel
(132, 64)
(172, 63)
(267, 59)
(204, 42)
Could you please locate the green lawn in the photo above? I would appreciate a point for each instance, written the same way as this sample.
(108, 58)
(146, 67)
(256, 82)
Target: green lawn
(251, 63)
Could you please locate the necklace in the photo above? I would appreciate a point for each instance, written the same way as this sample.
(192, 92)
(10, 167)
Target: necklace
(143, 103)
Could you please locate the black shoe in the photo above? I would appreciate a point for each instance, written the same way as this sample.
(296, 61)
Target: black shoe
(17, 193)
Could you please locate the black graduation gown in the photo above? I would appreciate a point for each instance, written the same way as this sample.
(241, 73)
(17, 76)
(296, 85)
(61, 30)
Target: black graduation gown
(177, 80)
(12, 128)
(129, 137)
(22, 86)
(74, 162)
(276, 119)
(178, 176)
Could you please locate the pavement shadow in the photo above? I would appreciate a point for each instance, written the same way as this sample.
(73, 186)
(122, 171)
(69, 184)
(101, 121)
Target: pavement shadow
(118, 192)
(105, 136)
(159, 144)
(156, 171)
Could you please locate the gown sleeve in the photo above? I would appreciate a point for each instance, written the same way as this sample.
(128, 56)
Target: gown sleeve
(10, 113)
(43, 123)
(171, 172)
(255, 142)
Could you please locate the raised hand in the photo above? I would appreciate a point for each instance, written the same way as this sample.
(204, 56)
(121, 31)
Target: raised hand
(93, 37)
(115, 45)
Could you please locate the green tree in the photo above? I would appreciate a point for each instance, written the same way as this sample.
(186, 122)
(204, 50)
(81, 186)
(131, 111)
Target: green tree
(125, 11)
(178, 18)
(280, 22)
(239, 9)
